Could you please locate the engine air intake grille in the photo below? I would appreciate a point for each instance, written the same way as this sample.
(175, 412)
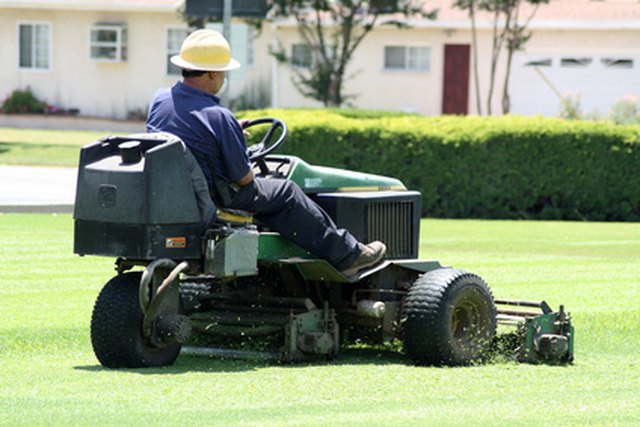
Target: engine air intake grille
(392, 223)
(393, 217)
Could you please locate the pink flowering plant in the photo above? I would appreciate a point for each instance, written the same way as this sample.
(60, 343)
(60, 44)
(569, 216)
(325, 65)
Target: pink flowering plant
(23, 101)
(626, 111)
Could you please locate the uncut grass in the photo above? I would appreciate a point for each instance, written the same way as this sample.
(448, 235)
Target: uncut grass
(50, 375)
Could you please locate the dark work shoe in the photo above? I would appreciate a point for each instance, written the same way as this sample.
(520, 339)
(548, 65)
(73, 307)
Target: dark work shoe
(370, 255)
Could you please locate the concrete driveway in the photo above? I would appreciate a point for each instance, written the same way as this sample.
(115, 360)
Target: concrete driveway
(37, 189)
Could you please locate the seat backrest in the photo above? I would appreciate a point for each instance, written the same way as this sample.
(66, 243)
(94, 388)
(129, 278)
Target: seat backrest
(140, 196)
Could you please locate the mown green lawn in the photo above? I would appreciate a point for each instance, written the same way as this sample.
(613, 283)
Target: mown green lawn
(40, 147)
(49, 375)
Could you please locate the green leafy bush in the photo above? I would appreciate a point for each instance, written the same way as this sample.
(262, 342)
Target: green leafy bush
(23, 101)
(483, 167)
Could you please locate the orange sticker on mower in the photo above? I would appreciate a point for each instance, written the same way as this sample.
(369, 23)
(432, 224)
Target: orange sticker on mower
(175, 242)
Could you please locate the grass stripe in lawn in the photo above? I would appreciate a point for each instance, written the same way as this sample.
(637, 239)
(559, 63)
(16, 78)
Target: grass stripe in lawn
(50, 375)
(39, 154)
(39, 147)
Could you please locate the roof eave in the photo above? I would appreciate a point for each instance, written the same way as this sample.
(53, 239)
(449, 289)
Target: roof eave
(120, 6)
(484, 24)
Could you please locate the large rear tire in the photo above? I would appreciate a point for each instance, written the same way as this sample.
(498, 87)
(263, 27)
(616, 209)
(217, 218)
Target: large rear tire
(448, 317)
(116, 328)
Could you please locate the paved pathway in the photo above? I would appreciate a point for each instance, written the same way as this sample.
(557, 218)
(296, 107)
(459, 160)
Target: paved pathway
(37, 189)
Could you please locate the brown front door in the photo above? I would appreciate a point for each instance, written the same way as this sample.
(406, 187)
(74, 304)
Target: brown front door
(455, 98)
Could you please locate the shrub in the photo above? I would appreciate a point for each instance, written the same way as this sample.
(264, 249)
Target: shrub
(570, 107)
(139, 114)
(23, 101)
(626, 111)
(483, 167)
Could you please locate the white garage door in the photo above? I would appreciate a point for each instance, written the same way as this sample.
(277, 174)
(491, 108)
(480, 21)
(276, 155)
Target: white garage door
(538, 81)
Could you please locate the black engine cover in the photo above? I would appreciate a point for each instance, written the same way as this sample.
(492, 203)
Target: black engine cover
(392, 217)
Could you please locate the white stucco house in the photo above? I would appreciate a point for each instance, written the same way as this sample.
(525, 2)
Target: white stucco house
(107, 58)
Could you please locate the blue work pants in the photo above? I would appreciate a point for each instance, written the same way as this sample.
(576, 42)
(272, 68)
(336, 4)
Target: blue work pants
(282, 206)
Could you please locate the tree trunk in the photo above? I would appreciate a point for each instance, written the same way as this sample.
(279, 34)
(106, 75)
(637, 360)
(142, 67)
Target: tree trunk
(495, 54)
(474, 42)
(506, 99)
(334, 88)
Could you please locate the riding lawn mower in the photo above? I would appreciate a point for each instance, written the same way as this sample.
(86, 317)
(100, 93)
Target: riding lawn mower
(180, 288)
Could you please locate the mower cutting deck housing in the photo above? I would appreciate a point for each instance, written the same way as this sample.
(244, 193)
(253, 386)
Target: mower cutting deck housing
(235, 280)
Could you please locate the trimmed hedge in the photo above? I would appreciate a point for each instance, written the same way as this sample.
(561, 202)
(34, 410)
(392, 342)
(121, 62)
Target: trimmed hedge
(482, 167)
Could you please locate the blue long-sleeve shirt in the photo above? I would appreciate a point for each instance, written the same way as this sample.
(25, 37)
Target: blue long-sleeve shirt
(211, 131)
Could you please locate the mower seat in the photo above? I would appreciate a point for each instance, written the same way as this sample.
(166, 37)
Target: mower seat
(235, 217)
(141, 196)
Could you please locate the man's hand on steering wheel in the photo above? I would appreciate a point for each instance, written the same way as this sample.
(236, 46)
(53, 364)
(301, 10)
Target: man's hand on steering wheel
(243, 123)
(268, 143)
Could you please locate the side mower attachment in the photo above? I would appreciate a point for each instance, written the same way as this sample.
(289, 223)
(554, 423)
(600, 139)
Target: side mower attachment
(541, 337)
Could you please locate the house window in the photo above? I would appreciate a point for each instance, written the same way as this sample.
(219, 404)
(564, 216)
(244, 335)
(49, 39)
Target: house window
(34, 46)
(407, 58)
(175, 36)
(575, 62)
(301, 55)
(108, 42)
(617, 62)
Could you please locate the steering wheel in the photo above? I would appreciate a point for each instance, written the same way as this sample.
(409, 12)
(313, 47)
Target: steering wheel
(268, 143)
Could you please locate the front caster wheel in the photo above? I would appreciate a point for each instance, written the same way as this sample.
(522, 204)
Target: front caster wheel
(449, 318)
(116, 328)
